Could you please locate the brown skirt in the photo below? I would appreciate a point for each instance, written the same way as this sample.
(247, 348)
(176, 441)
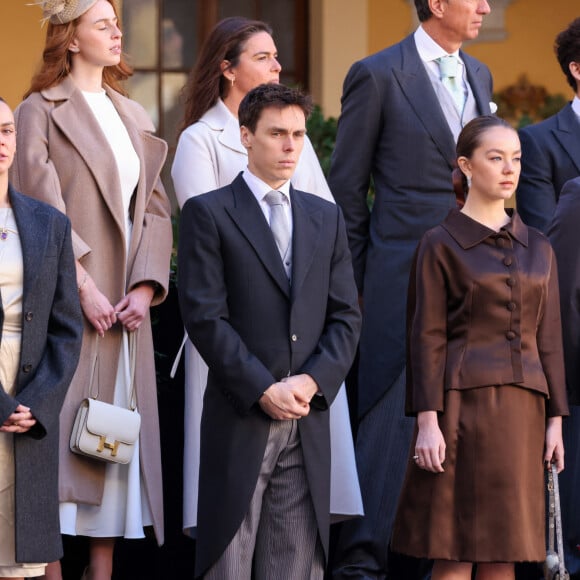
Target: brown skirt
(488, 505)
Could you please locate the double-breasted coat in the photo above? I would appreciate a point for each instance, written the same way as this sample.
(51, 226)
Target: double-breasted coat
(253, 328)
(50, 347)
(65, 159)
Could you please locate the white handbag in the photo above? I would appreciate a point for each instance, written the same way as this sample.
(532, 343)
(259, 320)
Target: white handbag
(104, 431)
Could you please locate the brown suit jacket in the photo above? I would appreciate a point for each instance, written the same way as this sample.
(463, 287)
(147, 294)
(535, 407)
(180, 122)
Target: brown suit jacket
(483, 309)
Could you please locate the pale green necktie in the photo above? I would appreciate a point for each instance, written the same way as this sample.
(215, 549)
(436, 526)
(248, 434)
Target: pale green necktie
(450, 70)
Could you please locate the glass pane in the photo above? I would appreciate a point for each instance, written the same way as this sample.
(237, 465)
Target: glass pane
(140, 32)
(143, 87)
(179, 33)
(237, 8)
(172, 109)
(280, 16)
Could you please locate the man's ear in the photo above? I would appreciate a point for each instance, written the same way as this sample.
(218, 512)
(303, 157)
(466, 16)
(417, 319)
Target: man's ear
(246, 137)
(438, 7)
(574, 68)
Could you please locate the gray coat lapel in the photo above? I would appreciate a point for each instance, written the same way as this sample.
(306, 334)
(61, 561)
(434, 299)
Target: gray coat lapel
(568, 134)
(418, 90)
(307, 225)
(249, 219)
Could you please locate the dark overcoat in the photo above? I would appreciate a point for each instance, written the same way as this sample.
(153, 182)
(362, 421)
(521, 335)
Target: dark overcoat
(253, 328)
(51, 343)
(550, 157)
(392, 128)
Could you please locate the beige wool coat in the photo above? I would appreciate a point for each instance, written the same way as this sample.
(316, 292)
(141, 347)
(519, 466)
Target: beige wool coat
(64, 159)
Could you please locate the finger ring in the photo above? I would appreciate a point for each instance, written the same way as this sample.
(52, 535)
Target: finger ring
(415, 457)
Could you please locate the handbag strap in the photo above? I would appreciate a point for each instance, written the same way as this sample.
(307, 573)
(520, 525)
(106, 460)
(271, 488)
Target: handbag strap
(555, 519)
(132, 341)
(132, 363)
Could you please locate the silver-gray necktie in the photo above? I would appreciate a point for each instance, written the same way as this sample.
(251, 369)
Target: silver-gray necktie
(280, 227)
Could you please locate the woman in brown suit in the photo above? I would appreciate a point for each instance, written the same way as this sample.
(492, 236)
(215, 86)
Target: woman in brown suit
(485, 375)
(90, 151)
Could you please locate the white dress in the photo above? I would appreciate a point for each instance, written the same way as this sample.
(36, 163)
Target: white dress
(11, 276)
(124, 510)
(210, 155)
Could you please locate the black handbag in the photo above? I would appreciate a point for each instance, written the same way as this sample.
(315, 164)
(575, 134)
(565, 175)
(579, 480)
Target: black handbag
(554, 568)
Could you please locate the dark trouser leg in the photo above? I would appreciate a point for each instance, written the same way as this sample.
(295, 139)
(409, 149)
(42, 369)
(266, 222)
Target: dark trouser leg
(382, 451)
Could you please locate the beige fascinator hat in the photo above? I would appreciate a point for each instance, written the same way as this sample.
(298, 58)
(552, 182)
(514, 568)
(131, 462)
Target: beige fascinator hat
(63, 11)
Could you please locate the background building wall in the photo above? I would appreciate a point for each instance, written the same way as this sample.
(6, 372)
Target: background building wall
(531, 27)
(22, 42)
(343, 31)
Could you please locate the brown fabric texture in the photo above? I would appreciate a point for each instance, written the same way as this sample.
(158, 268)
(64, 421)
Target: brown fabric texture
(483, 309)
(488, 505)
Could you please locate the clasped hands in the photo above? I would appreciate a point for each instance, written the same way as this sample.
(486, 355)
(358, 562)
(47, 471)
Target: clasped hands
(289, 398)
(20, 421)
(129, 311)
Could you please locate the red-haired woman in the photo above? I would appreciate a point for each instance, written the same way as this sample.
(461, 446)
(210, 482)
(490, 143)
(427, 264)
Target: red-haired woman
(89, 150)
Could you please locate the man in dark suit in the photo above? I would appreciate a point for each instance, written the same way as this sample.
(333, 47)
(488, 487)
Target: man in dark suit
(551, 149)
(268, 297)
(402, 110)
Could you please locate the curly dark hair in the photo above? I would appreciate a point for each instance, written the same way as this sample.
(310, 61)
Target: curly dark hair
(567, 48)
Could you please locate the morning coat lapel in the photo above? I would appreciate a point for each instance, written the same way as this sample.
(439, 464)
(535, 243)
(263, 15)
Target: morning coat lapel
(306, 231)
(568, 133)
(248, 217)
(33, 238)
(74, 118)
(479, 90)
(418, 90)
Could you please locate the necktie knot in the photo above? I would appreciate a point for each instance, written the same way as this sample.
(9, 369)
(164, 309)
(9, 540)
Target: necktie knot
(448, 66)
(275, 198)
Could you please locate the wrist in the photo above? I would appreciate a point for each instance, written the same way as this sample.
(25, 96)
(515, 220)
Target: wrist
(427, 419)
(83, 282)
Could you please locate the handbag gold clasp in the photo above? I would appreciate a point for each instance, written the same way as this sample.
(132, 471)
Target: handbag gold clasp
(104, 445)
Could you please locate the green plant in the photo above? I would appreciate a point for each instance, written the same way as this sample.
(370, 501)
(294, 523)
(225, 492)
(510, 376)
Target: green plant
(322, 134)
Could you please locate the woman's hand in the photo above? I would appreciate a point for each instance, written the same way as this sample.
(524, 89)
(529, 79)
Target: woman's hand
(554, 452)
(96, 307)
(430, 445)
(132, 309)
(20, 421)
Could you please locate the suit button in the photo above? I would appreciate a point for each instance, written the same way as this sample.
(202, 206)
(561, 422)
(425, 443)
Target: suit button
(511, 281)
(28, 316)
(294, 338)
(511, 306)
(27, 368)
(510, 334)
(507, 261)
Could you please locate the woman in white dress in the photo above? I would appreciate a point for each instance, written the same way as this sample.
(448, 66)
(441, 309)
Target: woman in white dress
(93, 151)
(239, 55)
(40, 320)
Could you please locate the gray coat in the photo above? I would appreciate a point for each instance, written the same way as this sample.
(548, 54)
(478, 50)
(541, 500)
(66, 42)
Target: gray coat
(51, 342)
